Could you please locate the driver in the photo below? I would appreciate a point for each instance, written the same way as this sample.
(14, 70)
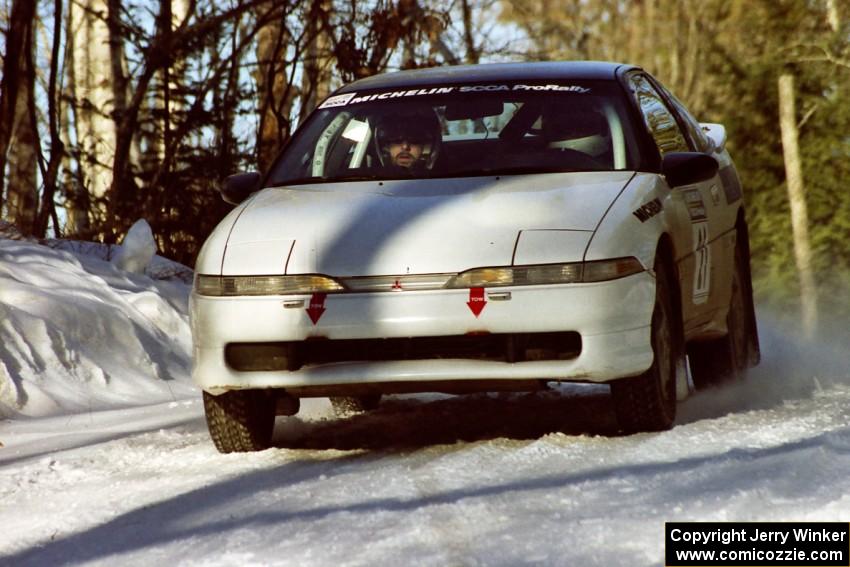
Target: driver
(408, 141)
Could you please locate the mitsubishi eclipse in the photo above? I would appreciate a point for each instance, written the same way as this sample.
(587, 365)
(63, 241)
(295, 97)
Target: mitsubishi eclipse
(478, 228)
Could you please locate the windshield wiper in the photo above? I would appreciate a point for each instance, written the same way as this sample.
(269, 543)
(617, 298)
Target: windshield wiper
(515, 170)
(296, 181)
(319, 179)
(353, 177)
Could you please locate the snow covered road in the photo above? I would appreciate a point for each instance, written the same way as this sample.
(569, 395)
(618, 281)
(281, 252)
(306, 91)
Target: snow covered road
(94, 477)
(400, 487)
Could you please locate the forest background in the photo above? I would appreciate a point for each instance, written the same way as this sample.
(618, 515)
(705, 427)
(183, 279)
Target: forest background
(115, 110)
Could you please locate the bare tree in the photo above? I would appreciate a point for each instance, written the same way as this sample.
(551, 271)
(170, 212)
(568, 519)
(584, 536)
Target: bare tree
(833, 17)
(133, 96)
(166, 46)
(92, 93)
(15, 96)
(318, 61)
(22, 190)
(797, 200)
(275, 88)
(47, 210)
(795, 184)
(473, 52)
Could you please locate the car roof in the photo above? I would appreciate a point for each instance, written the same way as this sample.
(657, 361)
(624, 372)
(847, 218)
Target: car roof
(457, 74)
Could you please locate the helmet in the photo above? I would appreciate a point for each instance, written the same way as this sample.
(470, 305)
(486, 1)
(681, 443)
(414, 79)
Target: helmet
(415, 125)
(582, 129)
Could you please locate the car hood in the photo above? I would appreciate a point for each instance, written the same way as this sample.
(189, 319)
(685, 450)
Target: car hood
(417, 226)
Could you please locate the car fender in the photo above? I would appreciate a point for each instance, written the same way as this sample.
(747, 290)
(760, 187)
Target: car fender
(634, 223)
(211, 256)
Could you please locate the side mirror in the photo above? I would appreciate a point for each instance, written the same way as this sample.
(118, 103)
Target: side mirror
(237, 187)
(687, 168)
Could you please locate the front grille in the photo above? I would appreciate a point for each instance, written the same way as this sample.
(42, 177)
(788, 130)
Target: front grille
(509, 347)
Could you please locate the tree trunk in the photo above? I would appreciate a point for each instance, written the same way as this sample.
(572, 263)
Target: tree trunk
(123, 116)
(159, 111)
(226, 97)
(172, 15)
(472, 52)
(13, 88)
(94, 101)
(23, 157)
(57, 148)
(832, 15)
(316, 79)
(76, 197)
(275, 91)
(797, 200)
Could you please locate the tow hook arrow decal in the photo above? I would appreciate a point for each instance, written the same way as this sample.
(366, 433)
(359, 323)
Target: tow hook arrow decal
(317, 307)
(476, 301)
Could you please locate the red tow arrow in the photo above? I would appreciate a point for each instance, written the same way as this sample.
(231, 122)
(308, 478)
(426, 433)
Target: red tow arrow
(476, 301)
(317, 307)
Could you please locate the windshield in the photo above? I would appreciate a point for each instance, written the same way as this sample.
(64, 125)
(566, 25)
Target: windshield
(462, 130)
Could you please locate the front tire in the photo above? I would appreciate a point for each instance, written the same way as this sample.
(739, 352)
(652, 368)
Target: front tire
(648, 402)
(240, 421)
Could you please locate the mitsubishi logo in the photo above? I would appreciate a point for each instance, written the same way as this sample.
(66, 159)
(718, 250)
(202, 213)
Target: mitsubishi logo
(396, 285)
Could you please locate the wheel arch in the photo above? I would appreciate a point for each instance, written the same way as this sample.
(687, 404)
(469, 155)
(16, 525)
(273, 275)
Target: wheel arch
(647, 402)
(665, 251)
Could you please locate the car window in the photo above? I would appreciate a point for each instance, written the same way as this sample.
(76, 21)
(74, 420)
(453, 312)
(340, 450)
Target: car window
(658, 118)
(462, 130)
(692, 127)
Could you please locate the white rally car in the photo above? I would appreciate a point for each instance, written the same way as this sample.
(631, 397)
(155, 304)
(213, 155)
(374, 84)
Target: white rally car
(478, 228)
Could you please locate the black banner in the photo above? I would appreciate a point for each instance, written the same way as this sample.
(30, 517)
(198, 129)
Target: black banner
(757, 544)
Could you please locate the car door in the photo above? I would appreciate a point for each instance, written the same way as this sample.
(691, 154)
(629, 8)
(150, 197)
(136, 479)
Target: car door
(690, 211)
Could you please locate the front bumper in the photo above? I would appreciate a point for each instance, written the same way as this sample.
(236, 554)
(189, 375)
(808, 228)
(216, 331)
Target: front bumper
(613, 319)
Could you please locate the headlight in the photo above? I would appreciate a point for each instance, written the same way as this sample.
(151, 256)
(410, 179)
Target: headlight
(265, 285)
(517, 275)
(543, 274)
(603, 270)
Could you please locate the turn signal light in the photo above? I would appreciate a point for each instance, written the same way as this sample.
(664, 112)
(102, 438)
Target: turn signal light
(226, 286)
(543, 274)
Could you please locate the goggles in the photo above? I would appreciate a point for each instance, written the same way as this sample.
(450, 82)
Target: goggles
(412, 138)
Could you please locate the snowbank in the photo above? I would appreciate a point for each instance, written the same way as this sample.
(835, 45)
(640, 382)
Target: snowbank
(79, 334)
